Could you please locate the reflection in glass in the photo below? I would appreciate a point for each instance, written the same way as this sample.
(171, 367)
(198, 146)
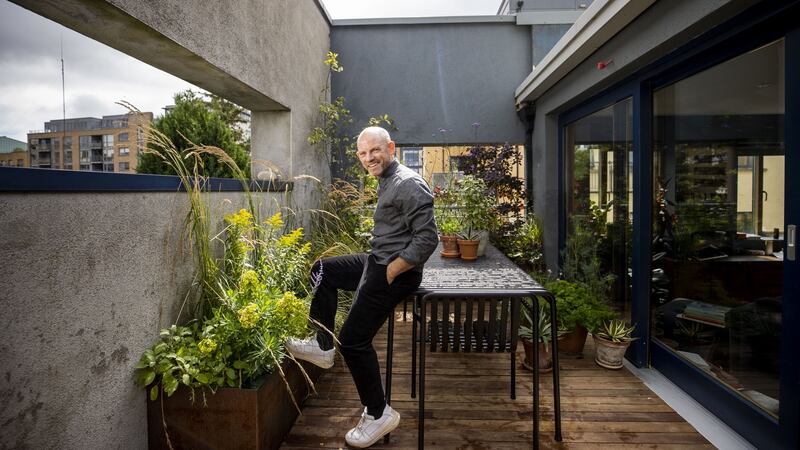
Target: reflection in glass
(600, 202)
(718, 221)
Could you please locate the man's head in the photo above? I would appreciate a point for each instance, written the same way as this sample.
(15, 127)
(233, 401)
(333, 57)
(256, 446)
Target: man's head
(375, 150)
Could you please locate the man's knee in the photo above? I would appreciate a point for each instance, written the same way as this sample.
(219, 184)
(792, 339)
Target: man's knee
(353, 342)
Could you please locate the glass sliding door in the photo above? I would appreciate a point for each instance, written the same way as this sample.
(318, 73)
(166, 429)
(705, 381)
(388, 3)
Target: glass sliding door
(718, 222)
(598, 150)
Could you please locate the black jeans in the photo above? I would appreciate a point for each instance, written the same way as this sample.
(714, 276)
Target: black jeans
(374, 301)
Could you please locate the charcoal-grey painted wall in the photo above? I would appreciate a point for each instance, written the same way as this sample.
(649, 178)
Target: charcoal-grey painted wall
(544, 37)
(435, 76)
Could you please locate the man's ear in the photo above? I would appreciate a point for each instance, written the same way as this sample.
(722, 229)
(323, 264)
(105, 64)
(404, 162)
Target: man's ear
(391, 148)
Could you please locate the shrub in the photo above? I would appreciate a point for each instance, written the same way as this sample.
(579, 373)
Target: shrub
(577, 304)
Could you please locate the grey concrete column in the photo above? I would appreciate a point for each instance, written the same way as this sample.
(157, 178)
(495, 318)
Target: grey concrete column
(271, 145)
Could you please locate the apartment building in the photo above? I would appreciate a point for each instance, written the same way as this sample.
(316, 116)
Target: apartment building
(13, 153)
(108, 144)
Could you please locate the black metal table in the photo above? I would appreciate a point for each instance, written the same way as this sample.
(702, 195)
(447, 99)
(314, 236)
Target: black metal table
(492, 276)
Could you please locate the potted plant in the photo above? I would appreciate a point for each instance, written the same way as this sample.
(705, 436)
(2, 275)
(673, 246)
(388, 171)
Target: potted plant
(545, 363)
(476, 207)
(448, 234)
(579, 311)
(611, 341)
(224, 379)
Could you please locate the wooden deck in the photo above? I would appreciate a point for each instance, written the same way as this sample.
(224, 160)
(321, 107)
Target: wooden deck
(468, 405)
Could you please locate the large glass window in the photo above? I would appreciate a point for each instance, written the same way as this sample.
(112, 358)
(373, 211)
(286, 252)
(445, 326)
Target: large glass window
(600, 203)
(717, 284)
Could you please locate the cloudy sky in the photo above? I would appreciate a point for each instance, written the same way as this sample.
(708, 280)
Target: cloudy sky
(96, 76)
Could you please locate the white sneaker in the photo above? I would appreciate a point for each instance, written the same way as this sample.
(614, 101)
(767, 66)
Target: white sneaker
(309, 350)
(370, 430)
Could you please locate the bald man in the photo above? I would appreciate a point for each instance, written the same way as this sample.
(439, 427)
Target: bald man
(403, 238)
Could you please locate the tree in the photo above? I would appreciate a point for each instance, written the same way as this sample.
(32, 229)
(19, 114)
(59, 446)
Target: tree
(200, 121)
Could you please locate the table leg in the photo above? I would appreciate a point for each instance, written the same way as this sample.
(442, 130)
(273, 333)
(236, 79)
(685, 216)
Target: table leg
(513, 349)
(389, 351)
(535, 367)
(421, 421)
(414, 318)
(556, 388)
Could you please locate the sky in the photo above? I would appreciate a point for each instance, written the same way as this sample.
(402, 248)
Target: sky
(97, 76)
(358, 9)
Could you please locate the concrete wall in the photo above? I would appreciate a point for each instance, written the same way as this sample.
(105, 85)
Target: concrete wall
(88, 281)
(435, 76)
(659, 30)
(265, 56)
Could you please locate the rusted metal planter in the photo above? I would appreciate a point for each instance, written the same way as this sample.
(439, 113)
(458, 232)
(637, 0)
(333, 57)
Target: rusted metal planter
(257, 418)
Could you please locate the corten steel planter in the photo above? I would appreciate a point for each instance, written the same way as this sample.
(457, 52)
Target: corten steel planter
(449, 247)
(257, 418)
(469, 249)
(609, 354)
(573, 342)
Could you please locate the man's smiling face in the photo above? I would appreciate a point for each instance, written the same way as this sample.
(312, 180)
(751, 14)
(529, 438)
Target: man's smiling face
(375, 154)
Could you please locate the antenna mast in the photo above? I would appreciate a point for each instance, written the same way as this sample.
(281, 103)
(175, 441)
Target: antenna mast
(63, 111)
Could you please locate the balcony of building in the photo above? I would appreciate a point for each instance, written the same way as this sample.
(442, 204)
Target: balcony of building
(118, 258)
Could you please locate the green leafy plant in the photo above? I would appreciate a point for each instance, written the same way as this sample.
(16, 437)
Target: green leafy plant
(526, 245)
(242, 336)
(581, 256)
(332, 136)
(248, 301)
(495, 165)
(475, 206)
(616, 331)
(449, 227)
(199, 120)
(544, 327)
(577, 304)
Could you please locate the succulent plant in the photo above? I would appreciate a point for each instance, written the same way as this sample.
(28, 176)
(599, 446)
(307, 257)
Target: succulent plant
(616, 331)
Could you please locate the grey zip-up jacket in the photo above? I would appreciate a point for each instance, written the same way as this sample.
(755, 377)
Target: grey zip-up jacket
(404, 224)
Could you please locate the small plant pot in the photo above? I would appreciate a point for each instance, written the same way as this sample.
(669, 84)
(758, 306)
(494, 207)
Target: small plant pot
(545, 356)
(573, 342)
(449, 247)
(469, 249)
(609, 354)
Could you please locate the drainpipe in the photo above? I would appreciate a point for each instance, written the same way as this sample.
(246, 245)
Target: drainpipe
(527, 113)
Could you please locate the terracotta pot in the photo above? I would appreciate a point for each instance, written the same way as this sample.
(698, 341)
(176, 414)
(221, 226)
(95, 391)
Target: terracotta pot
(449, 247)
(249, 418)
(545, 356)
(573, 341)
(469, 249)
(609, 354)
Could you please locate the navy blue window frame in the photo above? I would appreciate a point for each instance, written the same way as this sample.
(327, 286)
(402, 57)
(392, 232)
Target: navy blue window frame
(759, 25)
(14, 179)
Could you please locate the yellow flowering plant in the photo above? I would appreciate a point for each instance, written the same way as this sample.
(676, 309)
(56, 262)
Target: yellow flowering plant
(262, 300)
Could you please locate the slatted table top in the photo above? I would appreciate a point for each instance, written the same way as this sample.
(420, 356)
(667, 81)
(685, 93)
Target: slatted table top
(492, 272)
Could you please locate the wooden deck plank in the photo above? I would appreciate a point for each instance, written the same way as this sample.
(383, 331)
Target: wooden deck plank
(468, 406)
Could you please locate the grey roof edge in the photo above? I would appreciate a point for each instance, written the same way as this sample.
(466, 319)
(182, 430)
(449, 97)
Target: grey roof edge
(602, 20)
(324, 11)
(424, 20)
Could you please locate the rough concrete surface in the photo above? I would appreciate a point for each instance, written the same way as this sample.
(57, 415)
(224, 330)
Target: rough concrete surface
(88, 280)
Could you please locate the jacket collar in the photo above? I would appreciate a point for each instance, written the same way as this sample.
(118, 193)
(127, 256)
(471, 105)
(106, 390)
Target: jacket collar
(390, 169)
